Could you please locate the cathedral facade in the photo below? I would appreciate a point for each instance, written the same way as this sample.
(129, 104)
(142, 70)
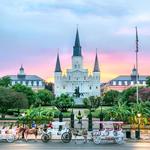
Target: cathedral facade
(77, 81)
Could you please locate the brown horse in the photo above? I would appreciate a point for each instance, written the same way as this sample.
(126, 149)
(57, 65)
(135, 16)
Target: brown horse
(29, 132)
(20, 131)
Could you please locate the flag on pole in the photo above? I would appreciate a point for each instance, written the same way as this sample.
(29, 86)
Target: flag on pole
(137, 40)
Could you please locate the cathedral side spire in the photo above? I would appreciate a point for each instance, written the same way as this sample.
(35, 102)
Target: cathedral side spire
(77, 47)
(96, 64)
(58, 67)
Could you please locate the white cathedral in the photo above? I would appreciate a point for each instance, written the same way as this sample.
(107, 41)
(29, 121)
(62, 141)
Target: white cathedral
(77, 81)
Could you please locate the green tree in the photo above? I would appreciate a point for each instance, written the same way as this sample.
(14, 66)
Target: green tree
(10, 99)
(110, 97)
(46, 97)
(128, 95)
(148, 81)
(30, 94)
(63, 102)
(92, 102)
(5, 81)
(20, 101)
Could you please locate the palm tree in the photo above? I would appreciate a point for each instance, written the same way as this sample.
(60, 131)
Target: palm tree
(120, 111)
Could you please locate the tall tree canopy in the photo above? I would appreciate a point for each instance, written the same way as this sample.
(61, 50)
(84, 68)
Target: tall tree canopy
(148, 81)
(30, 94)
(63, 102)
(110, 98)
(5, 81)
(11, 99)
(46, 97)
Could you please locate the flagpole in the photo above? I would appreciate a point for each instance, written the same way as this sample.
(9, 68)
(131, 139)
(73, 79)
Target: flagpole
(137, 49)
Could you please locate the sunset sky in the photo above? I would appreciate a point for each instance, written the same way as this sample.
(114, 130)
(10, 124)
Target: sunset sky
(32, 31)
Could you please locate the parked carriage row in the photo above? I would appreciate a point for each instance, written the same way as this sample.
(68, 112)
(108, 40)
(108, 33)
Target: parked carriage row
(111, 131)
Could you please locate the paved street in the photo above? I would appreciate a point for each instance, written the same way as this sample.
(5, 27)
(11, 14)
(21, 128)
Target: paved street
(72, 146)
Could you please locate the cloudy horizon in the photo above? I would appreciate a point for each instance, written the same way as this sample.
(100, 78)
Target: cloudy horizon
(32, 31)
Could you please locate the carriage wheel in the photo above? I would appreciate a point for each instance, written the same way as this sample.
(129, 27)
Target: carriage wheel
(66, 137)
(119, 140)
(97, 139)
(10, 139)
(1, 137)
(45, 138)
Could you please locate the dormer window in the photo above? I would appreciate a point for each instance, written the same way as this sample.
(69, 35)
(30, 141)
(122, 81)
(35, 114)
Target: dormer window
(114, 82)
(120, 82)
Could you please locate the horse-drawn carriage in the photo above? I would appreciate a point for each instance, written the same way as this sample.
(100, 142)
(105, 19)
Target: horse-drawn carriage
(60, 130)
(7, 134)
(112, 131)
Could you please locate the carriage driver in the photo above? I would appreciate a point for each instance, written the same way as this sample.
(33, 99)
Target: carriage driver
(33, 125)
(50, 125)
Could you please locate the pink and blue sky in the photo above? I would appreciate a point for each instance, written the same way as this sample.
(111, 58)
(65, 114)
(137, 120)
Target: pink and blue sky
(31, 31)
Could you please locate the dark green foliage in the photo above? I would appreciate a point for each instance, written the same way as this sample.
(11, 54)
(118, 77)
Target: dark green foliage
(11, 99)
(45, 97)
(5, 81)
(63, 102)
(129, 94)
(92, 102)
(31, 96)
(148, 81)
(110, 98)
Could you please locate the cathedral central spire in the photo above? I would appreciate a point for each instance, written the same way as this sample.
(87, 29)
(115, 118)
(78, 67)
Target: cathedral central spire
(58, 67)
(77, 47)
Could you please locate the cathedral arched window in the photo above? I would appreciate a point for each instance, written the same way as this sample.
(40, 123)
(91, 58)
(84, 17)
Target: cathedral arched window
(63, 87)
(75, 66)
(69, 77)
(84, 78)
(96, 87)
(90, 87)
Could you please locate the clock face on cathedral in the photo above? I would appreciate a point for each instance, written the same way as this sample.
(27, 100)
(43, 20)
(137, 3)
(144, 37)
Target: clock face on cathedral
(77, 82)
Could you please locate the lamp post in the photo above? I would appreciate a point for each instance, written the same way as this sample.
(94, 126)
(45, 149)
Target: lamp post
(139, 119)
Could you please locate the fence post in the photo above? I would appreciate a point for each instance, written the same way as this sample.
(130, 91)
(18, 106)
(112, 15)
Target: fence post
(90, 125)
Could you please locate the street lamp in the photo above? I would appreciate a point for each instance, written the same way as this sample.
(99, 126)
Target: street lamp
(139, 119)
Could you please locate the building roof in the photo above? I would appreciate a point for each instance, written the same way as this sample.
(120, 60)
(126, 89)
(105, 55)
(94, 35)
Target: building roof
(128, 78)
(77, 47)
(57, 67)
(26, 77)
(96, 64)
